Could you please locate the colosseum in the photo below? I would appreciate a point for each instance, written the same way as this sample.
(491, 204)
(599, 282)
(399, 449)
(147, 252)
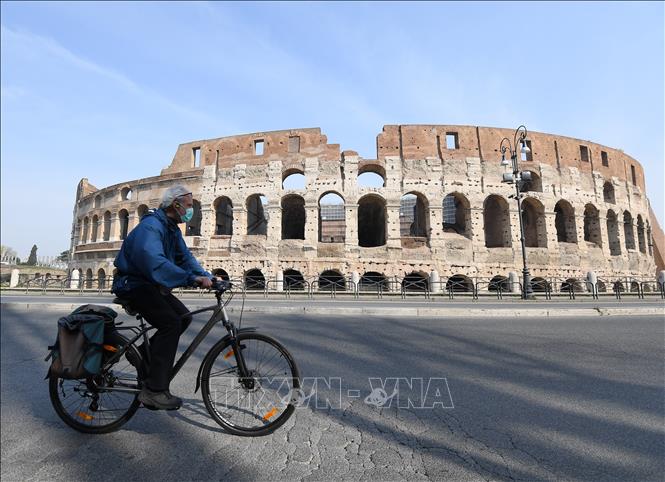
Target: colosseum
(285, 209)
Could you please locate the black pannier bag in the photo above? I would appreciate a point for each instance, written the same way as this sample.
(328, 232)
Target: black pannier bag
(77, 352)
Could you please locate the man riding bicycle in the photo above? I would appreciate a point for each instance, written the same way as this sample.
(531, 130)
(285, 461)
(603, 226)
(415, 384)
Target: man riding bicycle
(153, 260)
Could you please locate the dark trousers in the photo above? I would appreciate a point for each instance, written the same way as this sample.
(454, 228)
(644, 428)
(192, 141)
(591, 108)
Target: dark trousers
(164, 312)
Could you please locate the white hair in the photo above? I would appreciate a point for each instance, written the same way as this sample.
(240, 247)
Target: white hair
(173, 193)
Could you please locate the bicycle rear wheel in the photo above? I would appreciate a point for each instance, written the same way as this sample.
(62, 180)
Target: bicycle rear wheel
(258, 404)
(90, 405)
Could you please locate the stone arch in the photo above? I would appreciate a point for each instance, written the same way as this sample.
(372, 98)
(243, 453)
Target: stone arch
(540, 285)
(332, 218)
(254, 280)
(257, 221)
(123, 218)
(640, 234)
(459, 283)
(141, 211)
(371, 175)
(330, 279)
(293, 217)
(534, 185)
(88, 278)
(221, 274)
(107, 226)
(457, 215)
(499, 282)
(564, 222)
(608, 192)
(223, 216)
(372, 281)
(293, 280)
(592, 232)
(415, 281)
(628, 232)
(496, 220)
(293, 178)
(86, 229)
(535, 229)
(371, 221)
(101, 278)
(572, 284)
(126, 193)
(193, 226)
(414, 225)
(95, 228)
(613, 233)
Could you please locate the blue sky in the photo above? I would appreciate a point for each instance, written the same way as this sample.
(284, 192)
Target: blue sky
(108, 90)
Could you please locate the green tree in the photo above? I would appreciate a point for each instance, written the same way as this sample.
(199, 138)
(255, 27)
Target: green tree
(32, 259)
(64, 256)
(6, 251)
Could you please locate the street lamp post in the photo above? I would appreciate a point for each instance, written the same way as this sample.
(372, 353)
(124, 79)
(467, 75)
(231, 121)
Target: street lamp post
(517, 178)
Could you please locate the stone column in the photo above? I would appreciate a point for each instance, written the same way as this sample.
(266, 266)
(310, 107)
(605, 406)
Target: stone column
(274, 225)
(74, 281)
(393, 238)
(279, 280)
(13, 280)
(114, 230)
(312, 224)
(207, 222)
(513, 282)
(435, 286)
(351, 221)
(436, 224)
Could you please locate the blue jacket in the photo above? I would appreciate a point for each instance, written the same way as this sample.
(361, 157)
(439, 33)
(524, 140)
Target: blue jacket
(155, 253)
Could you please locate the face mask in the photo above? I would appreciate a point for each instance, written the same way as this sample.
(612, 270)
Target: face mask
(187, 217)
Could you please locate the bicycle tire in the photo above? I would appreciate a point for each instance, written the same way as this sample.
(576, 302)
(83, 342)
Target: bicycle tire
(86, 419)
(270, 363)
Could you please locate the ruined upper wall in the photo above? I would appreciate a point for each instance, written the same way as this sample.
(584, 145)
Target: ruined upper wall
(242, 149)
(421, 141)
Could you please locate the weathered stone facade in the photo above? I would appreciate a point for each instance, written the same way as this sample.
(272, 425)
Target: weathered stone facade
(586, 209)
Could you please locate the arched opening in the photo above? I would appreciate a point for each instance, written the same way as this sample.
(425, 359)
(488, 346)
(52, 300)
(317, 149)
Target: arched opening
(613, 233)
(592, 225)
(496, 221)
(415, 281)
(601, 287)
(125, 194)
(373, 281)
(371, 221)
(293, 217)
(564, 221)
(98, 201)
(640, 234)
(499, 282)
(107, 226)
(193, 226)
(628, 233)
(86, 229)
(257, 222)
(459, 283)
(371, 175)
(95, 228)
(540, 285)
(293, 280)
(293, 179)
(331, 279)
(123, 217)
(254, 280)
(457, 215)
(608, 192)
(88, 278)
(332, 219)
(223, 216)
(141, 211)
(634, 286)
(101, 279)
(533, 217)
(617, 286)
(535, 184)
(221, 274)
(571, 284)
(413, 220)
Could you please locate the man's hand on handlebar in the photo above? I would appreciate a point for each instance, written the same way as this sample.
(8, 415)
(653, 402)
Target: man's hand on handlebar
(203, 282)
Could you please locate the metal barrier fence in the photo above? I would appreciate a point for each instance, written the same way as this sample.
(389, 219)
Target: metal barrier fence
(407, 287)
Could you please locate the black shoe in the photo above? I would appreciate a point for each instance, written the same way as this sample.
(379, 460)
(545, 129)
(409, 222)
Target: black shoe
(162, 400)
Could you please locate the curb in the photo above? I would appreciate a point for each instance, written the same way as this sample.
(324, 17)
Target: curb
(401, 312)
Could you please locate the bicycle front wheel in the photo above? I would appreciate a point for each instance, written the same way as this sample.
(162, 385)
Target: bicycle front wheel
(255, 405)
(102, 403)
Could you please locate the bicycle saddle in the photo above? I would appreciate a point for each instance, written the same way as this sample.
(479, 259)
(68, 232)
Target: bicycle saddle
(126, 305)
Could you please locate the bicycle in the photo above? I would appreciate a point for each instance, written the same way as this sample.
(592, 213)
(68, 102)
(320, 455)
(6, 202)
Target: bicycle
(249, 381)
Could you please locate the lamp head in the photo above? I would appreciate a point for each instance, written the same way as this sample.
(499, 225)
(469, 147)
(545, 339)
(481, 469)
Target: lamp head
(504, 161)
(525, 148)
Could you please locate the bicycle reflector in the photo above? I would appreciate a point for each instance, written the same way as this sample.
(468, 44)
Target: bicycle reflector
(270, 414)
(110, 348)
(85, 416)
(229, 354)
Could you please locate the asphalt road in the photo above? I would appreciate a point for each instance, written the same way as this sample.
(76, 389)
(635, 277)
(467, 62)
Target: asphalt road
(530, 399)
